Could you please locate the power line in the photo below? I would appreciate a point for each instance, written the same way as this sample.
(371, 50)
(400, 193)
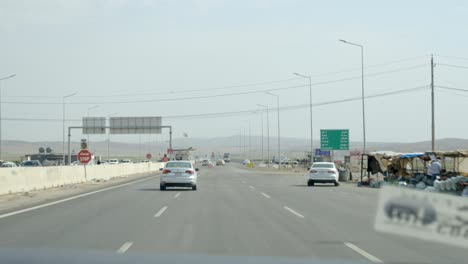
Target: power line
(229, 86)
(253, 111)
(226, 94)
(451, 57)
(294, 107)
(451, 65)
(371, 66)
(452, 88)
(450, 92)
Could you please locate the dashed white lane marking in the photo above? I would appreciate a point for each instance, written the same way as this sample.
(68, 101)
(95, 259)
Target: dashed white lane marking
(177, 195)
(251, 187)
(243, 181)
(70, 198)
(124, 247)
(363, 253)
(293, 212)
(266, 195)
(160, 212)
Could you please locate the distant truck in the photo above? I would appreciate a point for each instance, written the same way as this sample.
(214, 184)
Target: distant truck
(284, 160)
(227, 157)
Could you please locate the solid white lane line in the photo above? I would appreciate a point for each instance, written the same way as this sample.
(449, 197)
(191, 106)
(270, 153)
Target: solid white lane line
(251, 187)
(177, 195)
(363, 253)
(293, 212)
(71, 198)
(160, 212)
(124, 247)
(266, 195)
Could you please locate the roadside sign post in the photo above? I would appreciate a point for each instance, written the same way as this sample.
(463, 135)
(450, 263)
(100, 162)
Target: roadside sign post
(334, 139)
(84, 156)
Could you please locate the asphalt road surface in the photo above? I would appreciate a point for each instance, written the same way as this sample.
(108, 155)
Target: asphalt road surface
(234, 212)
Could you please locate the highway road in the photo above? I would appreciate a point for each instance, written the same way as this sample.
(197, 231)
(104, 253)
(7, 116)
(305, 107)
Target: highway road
(235, 212)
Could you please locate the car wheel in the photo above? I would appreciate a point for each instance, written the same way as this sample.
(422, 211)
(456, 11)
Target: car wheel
(310, 183)
(337, 183)
(194, 188)
(162, 187)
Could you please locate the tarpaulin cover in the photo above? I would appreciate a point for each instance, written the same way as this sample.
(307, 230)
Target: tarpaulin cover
(411, 155)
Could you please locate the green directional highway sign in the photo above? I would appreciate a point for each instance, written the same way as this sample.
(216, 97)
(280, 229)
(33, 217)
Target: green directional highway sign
(334, 139)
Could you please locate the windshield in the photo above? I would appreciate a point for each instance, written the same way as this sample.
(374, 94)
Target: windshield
(322, 165)
(178, 165)
(29, 163)
(248, 131)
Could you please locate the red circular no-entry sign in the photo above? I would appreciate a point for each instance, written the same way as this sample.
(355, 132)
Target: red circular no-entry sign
(84, 156)
(149, 156)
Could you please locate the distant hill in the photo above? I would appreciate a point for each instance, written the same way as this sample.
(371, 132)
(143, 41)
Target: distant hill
(17, 149)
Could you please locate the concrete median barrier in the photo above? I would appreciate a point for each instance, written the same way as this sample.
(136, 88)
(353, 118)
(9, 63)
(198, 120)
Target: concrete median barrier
(23, 179)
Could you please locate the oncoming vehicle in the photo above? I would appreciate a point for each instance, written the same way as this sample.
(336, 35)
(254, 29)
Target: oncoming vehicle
(206, 162)
(9, 165)
(220, 162)
(30, 163)
(113, 161)
(179, 173)
(322, 172)
(125, 161)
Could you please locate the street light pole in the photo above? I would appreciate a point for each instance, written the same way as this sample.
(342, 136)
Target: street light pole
(91, 108)
(261, 121)
(362, 92)
(279, 137)
(63, 125)
(268, 132)
(310, 107)
(108, 138)
(8, 77)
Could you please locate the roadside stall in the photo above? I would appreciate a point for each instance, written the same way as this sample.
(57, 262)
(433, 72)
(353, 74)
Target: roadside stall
(411, 170)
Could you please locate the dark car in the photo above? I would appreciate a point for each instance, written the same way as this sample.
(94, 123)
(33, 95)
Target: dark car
(30, 163)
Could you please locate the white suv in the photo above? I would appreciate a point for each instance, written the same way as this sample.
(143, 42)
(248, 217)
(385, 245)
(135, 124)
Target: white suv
(322, 172)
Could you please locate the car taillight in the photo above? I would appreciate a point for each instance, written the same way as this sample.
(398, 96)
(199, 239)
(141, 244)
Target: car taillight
(313, 171)
(165, 171)
(331, 171)
(189, 171)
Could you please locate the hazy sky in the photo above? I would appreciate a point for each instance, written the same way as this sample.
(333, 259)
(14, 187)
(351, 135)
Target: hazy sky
(127, 57)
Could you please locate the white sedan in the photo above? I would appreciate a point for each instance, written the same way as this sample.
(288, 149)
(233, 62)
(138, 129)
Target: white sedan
(178, 173)
(322, 172)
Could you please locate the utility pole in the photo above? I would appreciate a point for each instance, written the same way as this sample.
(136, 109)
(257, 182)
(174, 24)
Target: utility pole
(261, 118)
(432, 103)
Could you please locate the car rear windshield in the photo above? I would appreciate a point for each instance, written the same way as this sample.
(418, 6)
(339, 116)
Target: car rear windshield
(323, 165)
(178, 165)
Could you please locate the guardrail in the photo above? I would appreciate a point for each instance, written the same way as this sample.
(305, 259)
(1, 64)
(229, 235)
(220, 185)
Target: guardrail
(23, 179)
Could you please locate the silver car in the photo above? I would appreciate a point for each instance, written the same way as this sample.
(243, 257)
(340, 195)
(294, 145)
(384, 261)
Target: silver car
(180, 173)
(322, 172)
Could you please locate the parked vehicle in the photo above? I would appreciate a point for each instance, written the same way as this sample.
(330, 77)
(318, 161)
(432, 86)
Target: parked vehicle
(178, 174)
(227, 157)
(220, 162)
(30, 163)
(113, 161)
(9, 164)
(207, 162)
(125, 161)
(245, 162)
(322, 172)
